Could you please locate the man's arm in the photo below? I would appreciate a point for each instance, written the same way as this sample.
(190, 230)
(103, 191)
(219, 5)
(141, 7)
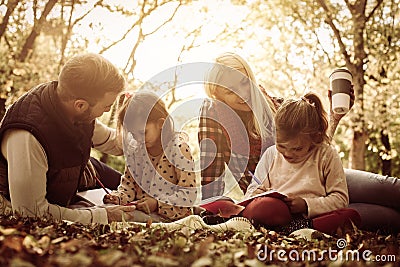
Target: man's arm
(27, 168)
(105, 139)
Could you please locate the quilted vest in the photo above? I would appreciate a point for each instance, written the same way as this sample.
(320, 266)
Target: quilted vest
(67, 146)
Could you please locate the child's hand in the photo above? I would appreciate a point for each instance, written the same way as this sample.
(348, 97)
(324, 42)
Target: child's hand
(147, 204)
(296, 204)
(260, 189)
(111, 199)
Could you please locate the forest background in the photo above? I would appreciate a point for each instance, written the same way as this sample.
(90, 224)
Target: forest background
(292, 46)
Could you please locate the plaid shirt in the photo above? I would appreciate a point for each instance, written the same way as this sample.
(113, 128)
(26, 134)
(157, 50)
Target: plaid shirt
(224, 140)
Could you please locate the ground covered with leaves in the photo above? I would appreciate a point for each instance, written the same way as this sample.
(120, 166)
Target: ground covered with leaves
(43, 242)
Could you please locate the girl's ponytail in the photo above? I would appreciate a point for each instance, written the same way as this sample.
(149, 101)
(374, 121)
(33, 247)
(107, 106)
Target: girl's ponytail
(303, 116)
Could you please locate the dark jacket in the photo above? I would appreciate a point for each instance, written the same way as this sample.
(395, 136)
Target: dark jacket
(67, 146)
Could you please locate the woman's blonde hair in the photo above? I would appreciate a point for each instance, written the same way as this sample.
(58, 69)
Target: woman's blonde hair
(262, 123)
(304, 116)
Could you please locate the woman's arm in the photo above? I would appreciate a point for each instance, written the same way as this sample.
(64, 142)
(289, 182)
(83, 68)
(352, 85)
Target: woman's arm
(335, 118)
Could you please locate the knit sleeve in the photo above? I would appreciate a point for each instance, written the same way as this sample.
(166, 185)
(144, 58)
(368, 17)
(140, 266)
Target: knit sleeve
(105, 139)
(27, 181)
(261, 172)
(336, 196)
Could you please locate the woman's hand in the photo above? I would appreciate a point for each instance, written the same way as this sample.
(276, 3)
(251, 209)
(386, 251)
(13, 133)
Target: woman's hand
(114, 213)
(147, 204)
(111, 199)
(296, 204)
(337, 117)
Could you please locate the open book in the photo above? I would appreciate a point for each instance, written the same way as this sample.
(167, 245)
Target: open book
(226, 206)
(93, 196)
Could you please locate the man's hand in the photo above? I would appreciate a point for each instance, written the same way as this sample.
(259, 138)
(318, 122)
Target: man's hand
(114, 213)
(147, 204)
(296, 204)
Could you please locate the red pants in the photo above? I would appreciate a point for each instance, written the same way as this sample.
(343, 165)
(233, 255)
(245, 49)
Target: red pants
(275, 212)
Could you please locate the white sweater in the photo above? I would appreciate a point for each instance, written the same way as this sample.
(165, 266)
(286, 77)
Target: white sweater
(319, 179)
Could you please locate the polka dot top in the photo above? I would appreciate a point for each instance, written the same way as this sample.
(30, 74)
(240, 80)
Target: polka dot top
(168, 177)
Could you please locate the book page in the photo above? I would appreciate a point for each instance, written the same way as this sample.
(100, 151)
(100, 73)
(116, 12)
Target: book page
(94, 196)
(270, 193)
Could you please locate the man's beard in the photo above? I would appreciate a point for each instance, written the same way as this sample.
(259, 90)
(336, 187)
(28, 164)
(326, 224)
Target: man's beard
(85, 117)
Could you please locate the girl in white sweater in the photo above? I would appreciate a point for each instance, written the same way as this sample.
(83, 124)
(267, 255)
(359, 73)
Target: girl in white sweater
(305, 167)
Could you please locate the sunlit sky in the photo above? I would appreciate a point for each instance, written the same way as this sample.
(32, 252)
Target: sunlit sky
(161, 50)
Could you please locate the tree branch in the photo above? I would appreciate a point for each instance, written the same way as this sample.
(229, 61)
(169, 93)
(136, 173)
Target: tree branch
(166, 21)
(374, 9)
(37, 27)
(329, 21)
(140, 38)
(11, 5)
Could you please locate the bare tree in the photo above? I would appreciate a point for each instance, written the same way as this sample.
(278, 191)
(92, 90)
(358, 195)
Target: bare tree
(145, 10)
(37, 27)
(67, 32)
(11, 5)
(362, 34)
(355, 57)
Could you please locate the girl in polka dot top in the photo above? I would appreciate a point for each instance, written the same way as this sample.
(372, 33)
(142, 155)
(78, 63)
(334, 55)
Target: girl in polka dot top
(159, 177)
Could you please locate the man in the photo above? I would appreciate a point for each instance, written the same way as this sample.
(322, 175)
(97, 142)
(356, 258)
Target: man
(46, 137)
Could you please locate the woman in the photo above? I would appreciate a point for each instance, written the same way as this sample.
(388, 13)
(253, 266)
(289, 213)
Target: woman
(238, 118)
(231, 139)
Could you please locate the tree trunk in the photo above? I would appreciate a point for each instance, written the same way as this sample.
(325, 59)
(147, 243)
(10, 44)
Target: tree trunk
(360, 134)
(2, 107)
(386, 162)
(357, 151)
(37, 27)
(104, 157)
(356, 66)
(11, 5)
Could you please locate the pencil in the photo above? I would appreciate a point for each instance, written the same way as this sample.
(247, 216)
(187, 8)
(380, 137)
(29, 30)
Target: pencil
(101, 184)
(255, 178)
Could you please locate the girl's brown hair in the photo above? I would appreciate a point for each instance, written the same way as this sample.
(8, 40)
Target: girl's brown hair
(142, 104)
(304, 116)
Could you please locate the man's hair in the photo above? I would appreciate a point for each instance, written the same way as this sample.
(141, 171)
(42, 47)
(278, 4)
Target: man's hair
(89, 77)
